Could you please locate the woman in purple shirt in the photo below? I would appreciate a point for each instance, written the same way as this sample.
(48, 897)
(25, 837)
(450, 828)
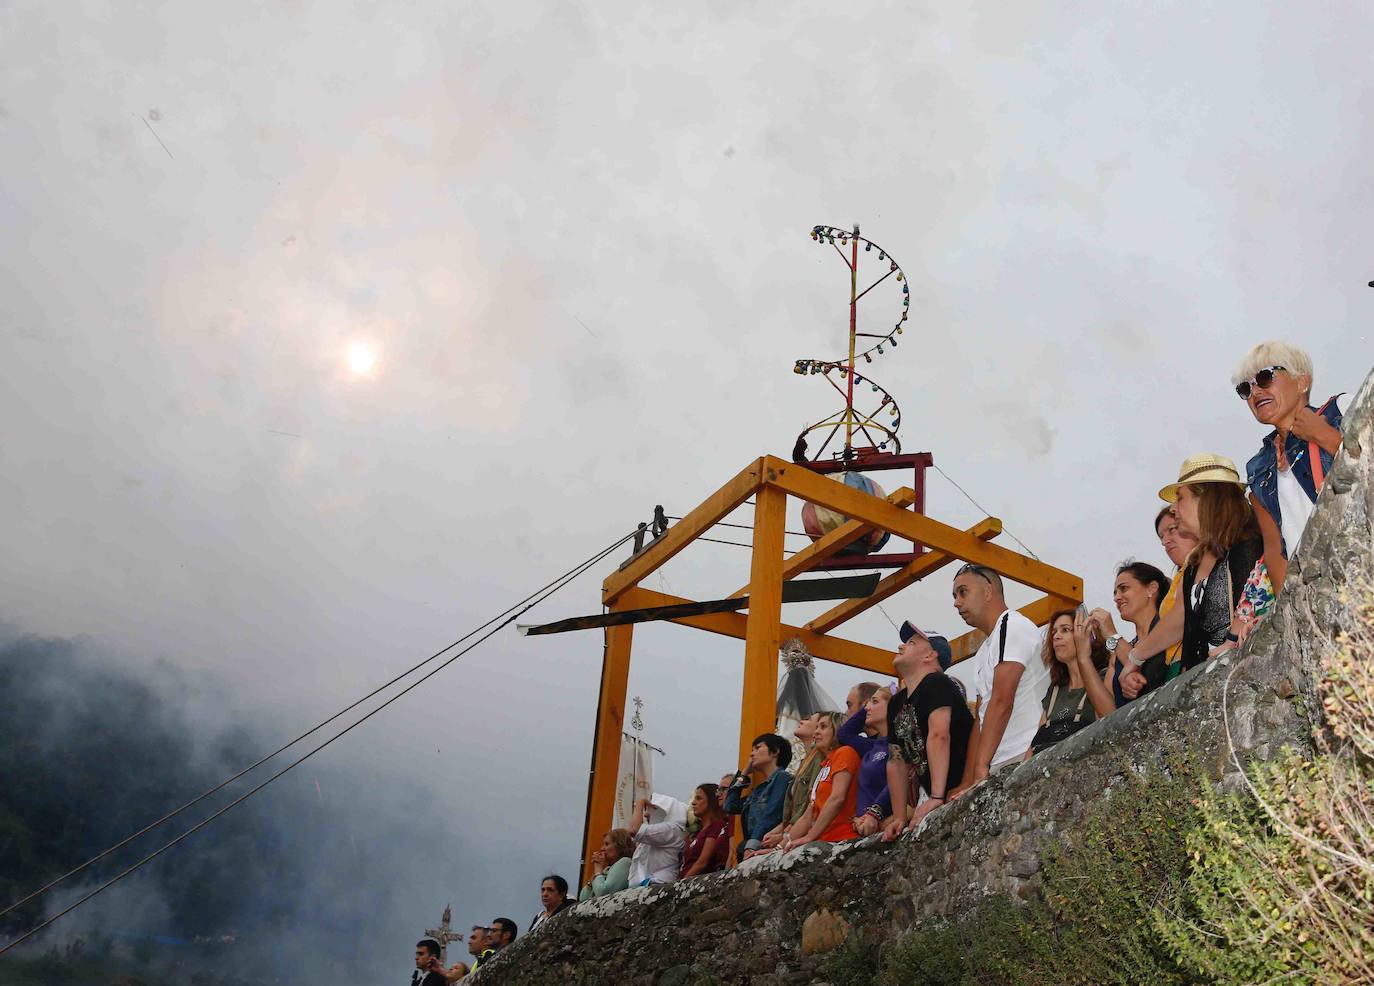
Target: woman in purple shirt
(873, 804)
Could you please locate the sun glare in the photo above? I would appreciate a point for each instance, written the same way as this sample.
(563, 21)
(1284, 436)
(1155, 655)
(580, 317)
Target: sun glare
(362, 359)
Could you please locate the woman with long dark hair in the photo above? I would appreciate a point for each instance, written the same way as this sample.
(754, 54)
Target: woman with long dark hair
(1138, 592)
(1077, 696)
(1226, 587)
(709, 849)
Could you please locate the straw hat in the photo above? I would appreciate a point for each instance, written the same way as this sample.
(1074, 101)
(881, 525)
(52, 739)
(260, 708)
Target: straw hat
(1203, 469)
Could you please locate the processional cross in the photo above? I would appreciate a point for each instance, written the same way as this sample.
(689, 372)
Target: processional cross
(444, 934)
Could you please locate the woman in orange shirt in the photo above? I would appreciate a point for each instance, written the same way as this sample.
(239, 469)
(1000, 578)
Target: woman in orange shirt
(833, 797)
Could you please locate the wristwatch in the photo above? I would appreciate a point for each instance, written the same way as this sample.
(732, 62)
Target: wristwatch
(1112, 641)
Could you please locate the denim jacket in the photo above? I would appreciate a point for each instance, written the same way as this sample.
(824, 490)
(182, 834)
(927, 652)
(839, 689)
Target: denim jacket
(762, 809)
(1262, 471)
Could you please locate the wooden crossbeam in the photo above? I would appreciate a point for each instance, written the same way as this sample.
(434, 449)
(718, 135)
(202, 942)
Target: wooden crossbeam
(926, 564)
(1037, 612)
(848, 652)
(802, 482)
(681, 534)
(796, 591)
(834, 542)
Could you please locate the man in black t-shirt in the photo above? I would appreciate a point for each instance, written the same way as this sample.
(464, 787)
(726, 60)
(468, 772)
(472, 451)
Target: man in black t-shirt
(929, 728)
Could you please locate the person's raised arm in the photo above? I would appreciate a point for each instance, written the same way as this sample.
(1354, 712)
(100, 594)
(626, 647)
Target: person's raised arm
(897, 788)
(1004, 681)
(641, 814)
(851, 733)
(1104, 702)
(839, 790)
(1312, 427)
(734, 795)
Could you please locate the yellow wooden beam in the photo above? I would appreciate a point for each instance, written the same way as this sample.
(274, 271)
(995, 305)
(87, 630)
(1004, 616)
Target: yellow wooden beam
(610, 724)
(759, 704)
(849, 652)
(834, 542)
(802, 482)
(914, 571)
(1038, 612)
(681, 534)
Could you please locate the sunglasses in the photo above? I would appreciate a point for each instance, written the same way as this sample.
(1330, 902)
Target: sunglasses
(979, 570)
(1262, 380)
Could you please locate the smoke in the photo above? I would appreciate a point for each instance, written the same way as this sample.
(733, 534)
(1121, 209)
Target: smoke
(316, 871)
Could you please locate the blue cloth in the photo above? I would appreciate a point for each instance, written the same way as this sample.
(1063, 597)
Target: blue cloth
(1262, 471)
(872, 751)
(761, 811)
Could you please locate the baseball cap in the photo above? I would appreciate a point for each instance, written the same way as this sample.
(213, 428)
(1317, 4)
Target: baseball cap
(937, 642)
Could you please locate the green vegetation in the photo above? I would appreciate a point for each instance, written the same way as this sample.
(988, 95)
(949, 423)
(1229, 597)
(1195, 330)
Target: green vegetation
(1095, 922)
(1283, 882)
(1172, 882)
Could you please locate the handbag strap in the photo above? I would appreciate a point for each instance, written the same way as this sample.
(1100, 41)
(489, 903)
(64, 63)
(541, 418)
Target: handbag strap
(1081, 700)
(1314, 453)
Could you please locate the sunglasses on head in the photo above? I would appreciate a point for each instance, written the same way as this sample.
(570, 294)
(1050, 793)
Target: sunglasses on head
(1262, 379)
(979, 570)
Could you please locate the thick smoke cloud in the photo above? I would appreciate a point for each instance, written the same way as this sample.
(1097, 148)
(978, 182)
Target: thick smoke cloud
(311, 872)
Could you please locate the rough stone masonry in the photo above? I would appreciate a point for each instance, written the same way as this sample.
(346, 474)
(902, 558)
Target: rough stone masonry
(772, 919)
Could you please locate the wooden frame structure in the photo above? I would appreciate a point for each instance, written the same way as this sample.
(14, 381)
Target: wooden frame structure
(771, 481)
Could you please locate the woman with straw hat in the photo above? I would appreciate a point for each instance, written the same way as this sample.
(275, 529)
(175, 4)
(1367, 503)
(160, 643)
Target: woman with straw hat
(1225, 586)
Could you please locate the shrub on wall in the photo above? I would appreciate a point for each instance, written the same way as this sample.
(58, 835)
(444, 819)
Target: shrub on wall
(1283, 884)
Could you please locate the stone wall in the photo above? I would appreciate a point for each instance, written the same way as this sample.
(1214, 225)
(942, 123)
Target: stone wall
(771, 920)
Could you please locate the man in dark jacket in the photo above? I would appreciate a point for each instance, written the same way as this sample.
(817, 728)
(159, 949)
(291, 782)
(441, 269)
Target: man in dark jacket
(427, 964)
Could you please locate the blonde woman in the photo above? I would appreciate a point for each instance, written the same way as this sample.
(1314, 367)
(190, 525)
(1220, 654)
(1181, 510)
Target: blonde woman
(1286, 474)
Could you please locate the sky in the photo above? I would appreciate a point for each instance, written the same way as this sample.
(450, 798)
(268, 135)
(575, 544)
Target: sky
(575, 238)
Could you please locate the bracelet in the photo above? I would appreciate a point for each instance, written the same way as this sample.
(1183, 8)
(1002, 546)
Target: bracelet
(875, 811)
(936, 797)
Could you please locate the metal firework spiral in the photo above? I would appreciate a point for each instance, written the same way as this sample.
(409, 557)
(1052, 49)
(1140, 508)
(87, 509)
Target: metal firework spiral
(874, 417)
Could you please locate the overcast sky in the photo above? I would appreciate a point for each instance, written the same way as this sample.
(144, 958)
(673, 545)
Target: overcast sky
(576, 237)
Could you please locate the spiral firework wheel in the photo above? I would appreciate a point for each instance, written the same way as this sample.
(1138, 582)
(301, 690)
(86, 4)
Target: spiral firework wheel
(869, 420)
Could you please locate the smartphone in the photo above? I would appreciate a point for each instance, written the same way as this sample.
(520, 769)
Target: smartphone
(1083, 615)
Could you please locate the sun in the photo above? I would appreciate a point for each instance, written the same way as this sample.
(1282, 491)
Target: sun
(362, 359)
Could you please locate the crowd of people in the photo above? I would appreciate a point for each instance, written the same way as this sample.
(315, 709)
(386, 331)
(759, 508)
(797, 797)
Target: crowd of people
(902, 751)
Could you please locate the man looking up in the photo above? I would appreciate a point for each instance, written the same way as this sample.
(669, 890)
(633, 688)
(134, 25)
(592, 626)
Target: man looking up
(929, 728)
(762, 809)
(1009, 677)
